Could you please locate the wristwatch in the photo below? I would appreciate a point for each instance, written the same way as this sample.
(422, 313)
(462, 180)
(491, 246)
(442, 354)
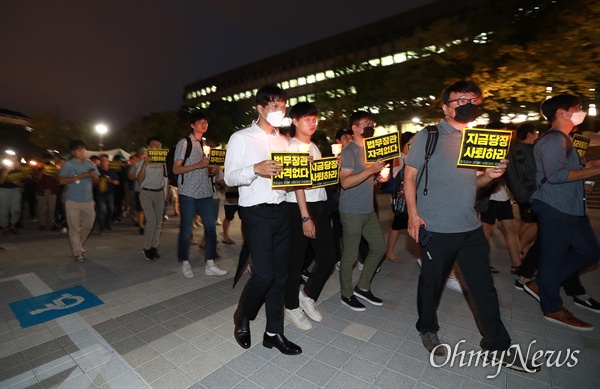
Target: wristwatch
(305, 219)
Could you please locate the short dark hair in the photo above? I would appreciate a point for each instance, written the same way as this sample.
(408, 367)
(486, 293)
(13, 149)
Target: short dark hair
(76, 144)
(405, 138)
(94, 158)
(524, 129)
(197, 116)
(269, 93)
(342, 132)
(104, 155)
(303, 109)
(357, 116)
(117, 157)
(153, 138)
(460, 86)
(553, 104)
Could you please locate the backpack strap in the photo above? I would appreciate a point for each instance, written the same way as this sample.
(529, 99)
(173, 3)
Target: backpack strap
(432, 138)
(188, 152)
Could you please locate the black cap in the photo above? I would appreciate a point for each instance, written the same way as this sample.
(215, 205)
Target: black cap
(342, 132)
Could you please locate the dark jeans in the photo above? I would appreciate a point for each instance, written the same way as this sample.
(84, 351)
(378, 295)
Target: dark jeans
(105, 209)
(572, 285)
(471, 251)
(322, 246)
(267, 234)
(188, 207)
(568, 245)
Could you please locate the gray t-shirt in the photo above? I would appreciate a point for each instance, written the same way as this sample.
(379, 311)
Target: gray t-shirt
(553, 164)
(196, 184)
(359, 198)
(81, 190)
(450, 201)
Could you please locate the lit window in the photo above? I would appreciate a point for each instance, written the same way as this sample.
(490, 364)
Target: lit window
(311, 79)
(302, 98)
(375, 62)
(400, 57)
(320, 76)
(293, 101)
(311, 97)
(213, 88)
(285, 85)
(248, 94)
(330, 74)
(387, 61)
(302, 81)
(293, 83)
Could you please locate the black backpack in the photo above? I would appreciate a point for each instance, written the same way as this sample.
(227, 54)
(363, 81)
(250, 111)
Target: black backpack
(520, 172)
(398, 199)
(171, 160)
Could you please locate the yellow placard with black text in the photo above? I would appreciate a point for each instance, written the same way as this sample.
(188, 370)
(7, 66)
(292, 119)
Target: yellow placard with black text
(382, 147)
(157, 156)
(116, 166)
(325, 172)
(296, 170)
(581, 144)
(217, 157)
(482, 147)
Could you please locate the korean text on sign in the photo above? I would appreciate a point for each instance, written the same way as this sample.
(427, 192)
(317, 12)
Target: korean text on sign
(157, 155)
(481, 147)
(217, 157)
(296, 169)
(382, 147)
(325, 171)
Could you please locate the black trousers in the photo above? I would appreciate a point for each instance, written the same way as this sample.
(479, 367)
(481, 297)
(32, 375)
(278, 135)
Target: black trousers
(322, 246)
(267, 234)
(471, 251)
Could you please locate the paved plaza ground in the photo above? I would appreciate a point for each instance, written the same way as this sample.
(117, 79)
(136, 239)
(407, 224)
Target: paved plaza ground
(159, 330)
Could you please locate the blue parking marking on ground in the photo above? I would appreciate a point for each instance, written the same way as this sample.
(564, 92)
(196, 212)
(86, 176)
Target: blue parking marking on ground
(40, 309)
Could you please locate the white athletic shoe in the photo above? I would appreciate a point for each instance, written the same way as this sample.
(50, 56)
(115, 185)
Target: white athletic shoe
(186, 270)
(308, 306)
(214, 271)
(298, 318)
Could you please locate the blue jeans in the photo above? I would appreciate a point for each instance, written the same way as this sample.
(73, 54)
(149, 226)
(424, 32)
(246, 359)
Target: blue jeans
(568, 245)
(188, 207)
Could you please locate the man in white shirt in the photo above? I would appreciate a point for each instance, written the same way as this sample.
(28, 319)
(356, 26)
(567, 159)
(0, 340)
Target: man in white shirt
(264, 219)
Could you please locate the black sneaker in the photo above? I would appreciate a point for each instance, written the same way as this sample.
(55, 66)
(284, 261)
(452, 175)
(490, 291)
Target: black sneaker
(353, 304)
(367, 296)
(510, 359)
(518, 285)
(589, 304)
(148, 254)
(155, 252)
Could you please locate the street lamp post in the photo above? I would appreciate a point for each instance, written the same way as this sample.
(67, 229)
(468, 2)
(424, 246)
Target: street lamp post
(101, 129)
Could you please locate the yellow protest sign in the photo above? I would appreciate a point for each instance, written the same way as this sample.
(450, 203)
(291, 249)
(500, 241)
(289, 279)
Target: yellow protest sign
(296, 169)
(158, 156)
(382, 147)
(483, 148)
(116, 166)
(581, 144)
(324, 172)
(217, 157)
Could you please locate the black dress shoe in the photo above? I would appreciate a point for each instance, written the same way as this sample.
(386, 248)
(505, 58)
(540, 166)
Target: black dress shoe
(282, 344)
(242, 331)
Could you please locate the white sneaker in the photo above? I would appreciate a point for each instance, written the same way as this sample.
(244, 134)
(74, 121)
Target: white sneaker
(452, 283)
(186, 270)
(308, 306)
(298, 317)
(214, 271)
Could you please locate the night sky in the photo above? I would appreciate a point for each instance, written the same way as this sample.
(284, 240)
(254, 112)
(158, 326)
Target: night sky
(114, 60)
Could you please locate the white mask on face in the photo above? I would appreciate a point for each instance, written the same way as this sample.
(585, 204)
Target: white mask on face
(275, 118)
(577, 117)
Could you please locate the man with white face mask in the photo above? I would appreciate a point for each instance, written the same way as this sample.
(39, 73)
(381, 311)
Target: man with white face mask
(265, 219)
(568, 243)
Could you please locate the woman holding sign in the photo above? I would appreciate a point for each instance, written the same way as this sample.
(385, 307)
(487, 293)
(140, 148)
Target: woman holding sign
(309, 223)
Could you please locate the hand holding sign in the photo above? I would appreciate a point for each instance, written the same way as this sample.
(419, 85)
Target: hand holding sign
(268, 168)
(498, 170)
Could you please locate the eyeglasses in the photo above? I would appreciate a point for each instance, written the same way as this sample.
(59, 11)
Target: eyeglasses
(464, 101)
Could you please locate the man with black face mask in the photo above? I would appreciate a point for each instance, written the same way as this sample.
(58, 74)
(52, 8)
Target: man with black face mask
(358, 216)
(448, 214)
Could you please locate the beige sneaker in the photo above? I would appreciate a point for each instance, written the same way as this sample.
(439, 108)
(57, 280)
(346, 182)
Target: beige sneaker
(298, 318)
(308, 306)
